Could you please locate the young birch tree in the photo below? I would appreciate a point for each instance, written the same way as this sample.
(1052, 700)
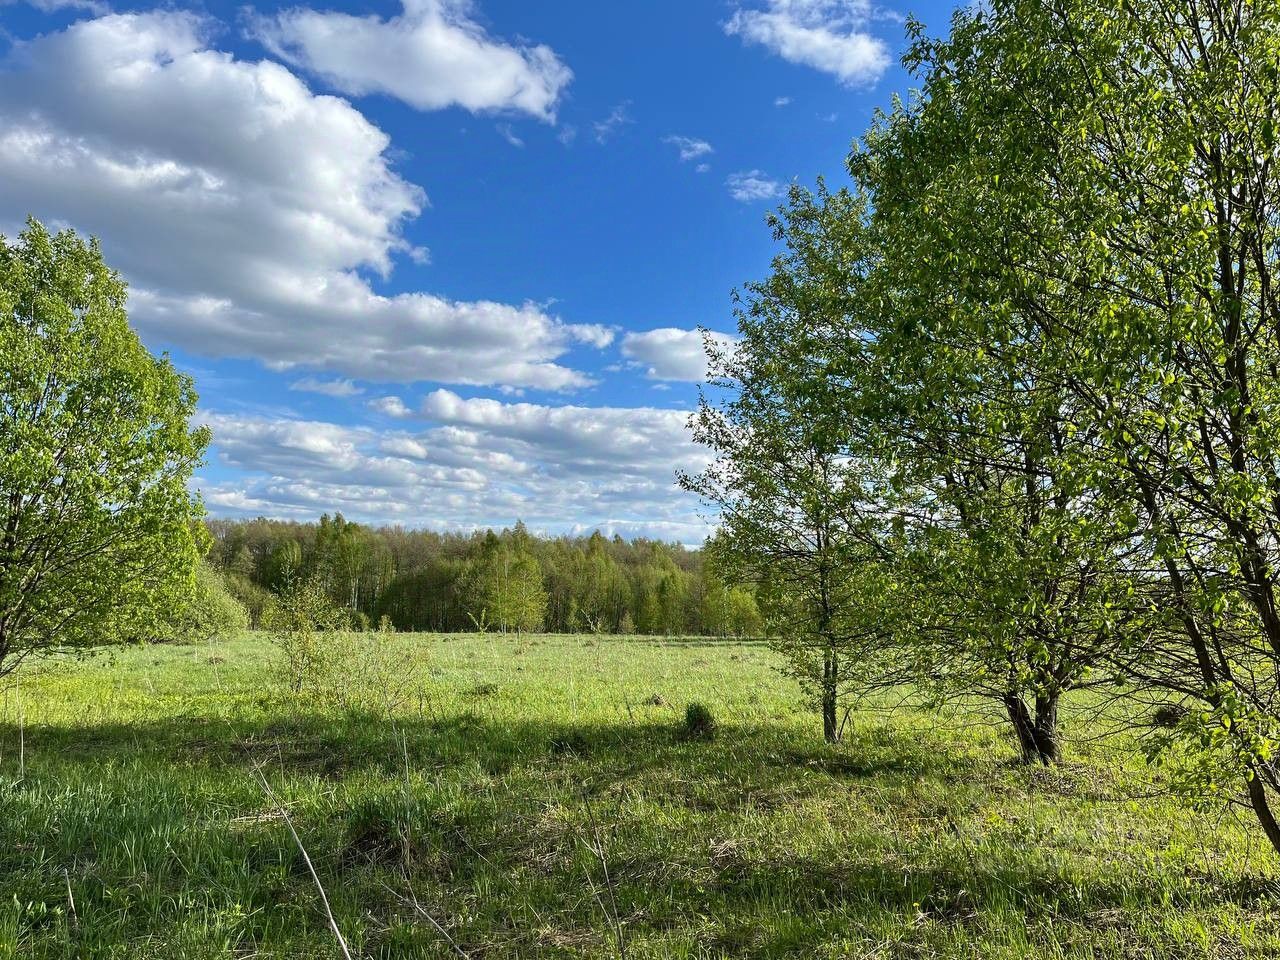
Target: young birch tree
(792, 495)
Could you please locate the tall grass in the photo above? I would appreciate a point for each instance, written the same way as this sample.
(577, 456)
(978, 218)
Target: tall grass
(540, 798)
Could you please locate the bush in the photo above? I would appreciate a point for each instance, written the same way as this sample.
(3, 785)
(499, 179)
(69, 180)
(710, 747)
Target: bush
(303, 622)
(257, 602)
(206, 612)
(699, 723)
(327, 664)
(377, 675)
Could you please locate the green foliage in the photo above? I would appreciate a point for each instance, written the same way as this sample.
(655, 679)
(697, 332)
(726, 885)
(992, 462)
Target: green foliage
(795, 479)
(207, 612)
(257, 602)
(425, 580)
(660, 597)
(1077, 209)
(1039, 340)
(304, 624)
(728, 611)
(378, 676)
(504, 585)
(324, 663)
(99, 533)
(426, 599)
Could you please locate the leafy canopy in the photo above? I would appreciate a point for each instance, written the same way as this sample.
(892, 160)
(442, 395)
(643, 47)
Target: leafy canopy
(98, 528)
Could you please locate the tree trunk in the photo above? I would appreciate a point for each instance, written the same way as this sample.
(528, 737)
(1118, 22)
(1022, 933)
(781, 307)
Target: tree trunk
(1262, 807)
(1048, 745)
(1023, 726)
(830, 672)
(1037, 734)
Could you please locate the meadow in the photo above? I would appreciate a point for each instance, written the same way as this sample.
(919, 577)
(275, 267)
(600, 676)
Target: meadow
(539, 797)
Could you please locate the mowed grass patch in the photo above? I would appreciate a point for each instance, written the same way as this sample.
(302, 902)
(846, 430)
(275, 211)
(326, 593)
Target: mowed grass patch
(540, 797)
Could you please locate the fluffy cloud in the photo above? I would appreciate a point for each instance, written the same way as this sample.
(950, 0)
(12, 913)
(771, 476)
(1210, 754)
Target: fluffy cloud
(432, 56)
(669, 353)
(748, 186)
(391, 407)
(476, 463)
(245, 210)
(576, 441)
(828, 35)
(690, 148)
(329, 388)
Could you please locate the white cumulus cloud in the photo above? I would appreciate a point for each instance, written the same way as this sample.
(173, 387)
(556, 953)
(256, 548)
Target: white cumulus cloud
(391, 407)
(475, 462)
(576, 441)
(827, 35)
(433, 55)
(670, 353)
(246, 211)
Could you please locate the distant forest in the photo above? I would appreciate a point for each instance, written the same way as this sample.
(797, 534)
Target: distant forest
(512, 580)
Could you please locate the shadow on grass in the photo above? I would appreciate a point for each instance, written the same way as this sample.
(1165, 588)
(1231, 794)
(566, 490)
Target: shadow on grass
(500, 809)
(337, 745)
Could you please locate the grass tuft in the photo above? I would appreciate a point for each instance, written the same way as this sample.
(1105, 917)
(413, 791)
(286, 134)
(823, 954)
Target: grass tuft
(699, 722)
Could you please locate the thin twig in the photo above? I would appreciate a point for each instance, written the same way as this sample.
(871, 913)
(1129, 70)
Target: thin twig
(22, 730)
(324, 897)
(598, 848)
(413, 900)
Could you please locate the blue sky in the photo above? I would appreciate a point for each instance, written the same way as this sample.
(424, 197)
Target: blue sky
(441, 263)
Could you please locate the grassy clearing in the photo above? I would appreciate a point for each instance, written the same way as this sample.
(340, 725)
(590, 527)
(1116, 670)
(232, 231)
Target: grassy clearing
(549, 807)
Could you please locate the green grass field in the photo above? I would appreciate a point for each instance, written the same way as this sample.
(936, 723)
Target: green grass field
(538, 800)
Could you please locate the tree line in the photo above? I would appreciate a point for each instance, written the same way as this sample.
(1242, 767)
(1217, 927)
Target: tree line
(1004, 420)
(505, 581)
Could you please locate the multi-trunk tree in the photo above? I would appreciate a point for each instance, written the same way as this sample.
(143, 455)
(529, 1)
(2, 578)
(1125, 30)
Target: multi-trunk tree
(99, 532)
(899, 493)
(1019, 586)
(1092, 191)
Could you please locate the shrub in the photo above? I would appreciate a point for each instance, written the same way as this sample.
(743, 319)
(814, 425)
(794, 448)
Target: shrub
(304, 621)
(207, 611)
(331, 666)
(375, 673)
(257, 602)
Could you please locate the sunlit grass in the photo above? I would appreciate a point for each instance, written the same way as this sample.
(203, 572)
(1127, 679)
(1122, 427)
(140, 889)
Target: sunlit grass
(483, 818)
